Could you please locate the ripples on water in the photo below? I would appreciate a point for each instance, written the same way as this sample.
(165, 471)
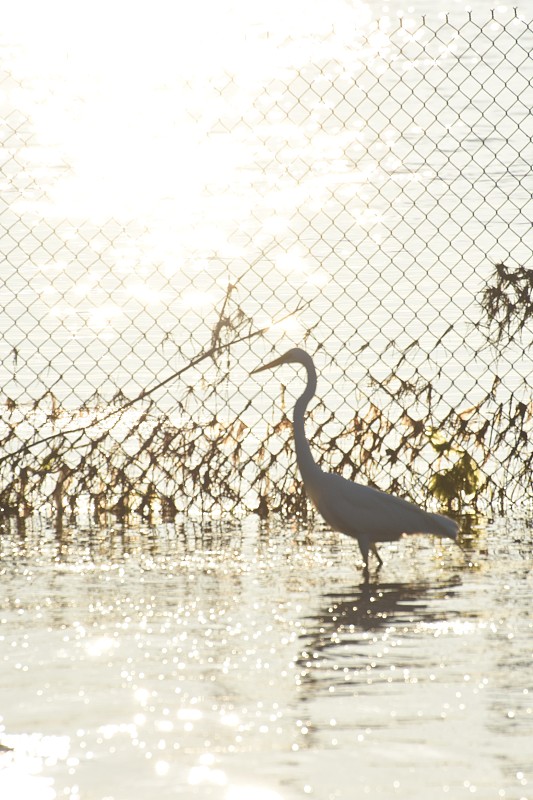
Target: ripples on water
(253, 662)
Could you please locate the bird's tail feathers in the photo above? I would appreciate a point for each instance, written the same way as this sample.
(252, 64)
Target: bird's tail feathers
(444, 526)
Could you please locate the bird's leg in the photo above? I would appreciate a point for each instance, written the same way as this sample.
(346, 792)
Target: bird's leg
(363, 547)
(374, 550)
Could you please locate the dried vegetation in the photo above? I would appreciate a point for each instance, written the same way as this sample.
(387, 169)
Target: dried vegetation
(127, 456)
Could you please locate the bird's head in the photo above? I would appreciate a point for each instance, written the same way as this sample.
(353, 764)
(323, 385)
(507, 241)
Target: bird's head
(294, 356)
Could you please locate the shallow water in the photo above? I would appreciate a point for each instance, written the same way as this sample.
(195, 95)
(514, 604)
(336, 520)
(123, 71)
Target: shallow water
(253, 661)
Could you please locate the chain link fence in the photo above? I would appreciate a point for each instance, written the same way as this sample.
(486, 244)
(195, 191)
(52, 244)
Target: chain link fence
(365, 193)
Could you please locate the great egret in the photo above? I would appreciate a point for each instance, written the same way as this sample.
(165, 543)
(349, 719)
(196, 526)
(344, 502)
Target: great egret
(367, 514)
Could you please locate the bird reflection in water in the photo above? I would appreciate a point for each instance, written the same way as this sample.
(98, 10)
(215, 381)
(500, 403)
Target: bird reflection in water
(376, 605)
(344, 634)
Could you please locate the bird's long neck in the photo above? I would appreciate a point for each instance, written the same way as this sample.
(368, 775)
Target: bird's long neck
(306, 462)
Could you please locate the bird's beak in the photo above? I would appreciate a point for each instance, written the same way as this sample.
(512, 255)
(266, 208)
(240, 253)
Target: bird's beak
(275, 363)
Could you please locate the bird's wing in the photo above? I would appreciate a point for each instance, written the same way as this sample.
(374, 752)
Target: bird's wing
(363, 511)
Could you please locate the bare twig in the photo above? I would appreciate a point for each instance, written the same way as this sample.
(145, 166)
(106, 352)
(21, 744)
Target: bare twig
(211, 352)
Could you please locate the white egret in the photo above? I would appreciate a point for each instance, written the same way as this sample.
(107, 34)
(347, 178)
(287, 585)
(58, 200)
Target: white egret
(369, 515)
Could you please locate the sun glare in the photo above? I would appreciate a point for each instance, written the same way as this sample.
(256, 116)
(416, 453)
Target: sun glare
(166, 117)
(135, 107)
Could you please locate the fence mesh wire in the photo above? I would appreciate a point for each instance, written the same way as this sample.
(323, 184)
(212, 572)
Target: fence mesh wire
(367, 195)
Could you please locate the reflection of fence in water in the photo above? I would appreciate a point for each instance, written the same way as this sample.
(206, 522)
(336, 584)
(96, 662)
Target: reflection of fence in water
(374, 187)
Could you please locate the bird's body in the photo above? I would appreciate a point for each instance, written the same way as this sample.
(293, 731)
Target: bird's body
(367, 514)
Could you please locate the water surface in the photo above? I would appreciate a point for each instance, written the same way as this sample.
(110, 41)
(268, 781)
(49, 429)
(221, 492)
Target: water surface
(231, 662)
